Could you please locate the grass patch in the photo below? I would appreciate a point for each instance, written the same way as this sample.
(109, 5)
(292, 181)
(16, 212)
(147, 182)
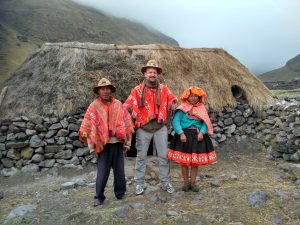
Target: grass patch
(286, 93)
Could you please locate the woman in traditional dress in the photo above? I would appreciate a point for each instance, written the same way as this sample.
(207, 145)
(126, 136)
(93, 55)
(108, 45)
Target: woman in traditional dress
(191, 146)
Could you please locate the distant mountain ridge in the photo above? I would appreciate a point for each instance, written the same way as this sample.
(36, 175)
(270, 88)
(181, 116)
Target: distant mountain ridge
(26, 24)
(289, 72)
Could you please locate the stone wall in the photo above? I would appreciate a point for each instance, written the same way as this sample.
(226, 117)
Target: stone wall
(39, 143)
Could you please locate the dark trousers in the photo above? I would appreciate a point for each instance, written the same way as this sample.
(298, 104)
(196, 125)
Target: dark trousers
(111, 157)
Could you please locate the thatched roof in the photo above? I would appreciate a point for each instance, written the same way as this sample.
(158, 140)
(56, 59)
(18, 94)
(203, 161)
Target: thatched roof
(58, 78)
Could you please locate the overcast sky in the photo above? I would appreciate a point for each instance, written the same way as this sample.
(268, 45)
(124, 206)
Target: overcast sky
(261, 34)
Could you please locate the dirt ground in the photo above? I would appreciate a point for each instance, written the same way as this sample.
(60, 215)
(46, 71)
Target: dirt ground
(241, 169)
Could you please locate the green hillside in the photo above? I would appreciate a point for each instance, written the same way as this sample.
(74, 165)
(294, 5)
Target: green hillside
(289, 72)
(26, 24)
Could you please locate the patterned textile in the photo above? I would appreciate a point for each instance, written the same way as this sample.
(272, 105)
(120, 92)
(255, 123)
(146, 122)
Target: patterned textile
(197, 111)
(103, 121)
(156, 85)
(193, 159)
(144, 114)
(192, 152)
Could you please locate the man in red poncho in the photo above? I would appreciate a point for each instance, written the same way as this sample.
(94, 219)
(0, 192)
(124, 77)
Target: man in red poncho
(150, 103)
(107, 129)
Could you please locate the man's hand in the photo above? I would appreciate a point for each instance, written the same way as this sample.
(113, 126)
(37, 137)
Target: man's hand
(200, 136)
(182, 137)
(92, 152)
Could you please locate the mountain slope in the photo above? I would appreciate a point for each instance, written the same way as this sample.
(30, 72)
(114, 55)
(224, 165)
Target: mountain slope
(26, 24)
(289, 72)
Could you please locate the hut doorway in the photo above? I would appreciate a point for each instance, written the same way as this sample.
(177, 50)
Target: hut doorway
(237, 92)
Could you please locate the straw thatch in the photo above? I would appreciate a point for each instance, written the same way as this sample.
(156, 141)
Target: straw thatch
(58, 78)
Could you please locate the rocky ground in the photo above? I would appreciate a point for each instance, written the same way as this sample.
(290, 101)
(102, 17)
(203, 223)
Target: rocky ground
(243, 187)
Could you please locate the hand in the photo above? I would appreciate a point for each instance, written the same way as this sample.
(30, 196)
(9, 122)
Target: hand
(200, 136)
(125, 148)
(182, 137)
(92, 152)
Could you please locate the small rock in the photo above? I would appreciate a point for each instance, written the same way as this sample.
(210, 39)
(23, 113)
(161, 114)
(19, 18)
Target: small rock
(171, 213)
(292, 168)
(257, 198)
(232, 177)
(122, 212)
(13, 154)
(36, 142)
(82, 151)
(65, 193)
(8, 172)
(20, 212)
(47, 163)
(1, 194)
(37, 158)
(137, 206)
(91, 185)
(215, 183)
(50, 134)
(26, 153)
(154, 199)
(7, 163)
(55, 126)
(80, 181)
(68, 185)
(30, 168)
(276, 220)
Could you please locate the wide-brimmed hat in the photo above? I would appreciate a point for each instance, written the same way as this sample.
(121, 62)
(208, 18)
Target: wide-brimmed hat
(102, 83)
(151, 64)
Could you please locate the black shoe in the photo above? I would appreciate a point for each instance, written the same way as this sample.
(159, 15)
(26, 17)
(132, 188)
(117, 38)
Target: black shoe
(98, 202)
(120, 197)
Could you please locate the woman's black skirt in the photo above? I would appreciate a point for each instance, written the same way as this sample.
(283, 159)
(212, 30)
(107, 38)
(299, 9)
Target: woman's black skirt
(192, 152)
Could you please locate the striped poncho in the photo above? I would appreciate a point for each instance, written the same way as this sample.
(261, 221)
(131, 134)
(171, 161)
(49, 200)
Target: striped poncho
(103, 121)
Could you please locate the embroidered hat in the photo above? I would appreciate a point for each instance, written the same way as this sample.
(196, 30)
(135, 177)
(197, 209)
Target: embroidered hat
(151, 64)
(102, 83)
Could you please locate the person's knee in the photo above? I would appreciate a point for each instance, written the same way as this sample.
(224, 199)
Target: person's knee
(162, 153)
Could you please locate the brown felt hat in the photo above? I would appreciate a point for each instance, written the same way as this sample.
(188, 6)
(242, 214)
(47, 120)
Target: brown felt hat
(151, 64)
(102, 83)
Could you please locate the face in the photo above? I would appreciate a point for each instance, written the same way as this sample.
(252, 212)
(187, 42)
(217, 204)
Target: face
(105, 93)
(151, 74)
(193, 99)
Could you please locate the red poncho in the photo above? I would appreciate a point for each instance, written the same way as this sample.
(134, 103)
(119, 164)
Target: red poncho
(103, 121)
(149, 109)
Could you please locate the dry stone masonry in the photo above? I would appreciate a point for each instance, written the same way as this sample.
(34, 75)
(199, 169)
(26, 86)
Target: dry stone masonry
(39, 143)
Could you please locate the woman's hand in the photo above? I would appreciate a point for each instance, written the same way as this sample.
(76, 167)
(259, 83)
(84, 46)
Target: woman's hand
(182, 137)
(200, 136)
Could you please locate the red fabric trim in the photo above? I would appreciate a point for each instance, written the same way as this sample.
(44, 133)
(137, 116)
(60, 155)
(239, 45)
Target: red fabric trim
(193, 159)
